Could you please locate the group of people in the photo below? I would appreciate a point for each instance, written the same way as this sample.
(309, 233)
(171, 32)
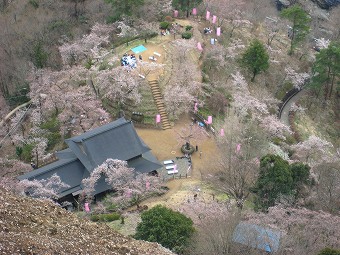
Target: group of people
(207, 30)
(129, 60)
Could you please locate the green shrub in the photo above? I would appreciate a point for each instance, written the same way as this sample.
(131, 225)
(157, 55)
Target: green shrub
(26, 154)
(164, 25)
(39, 55)
(111, 217)
(18, 151)
(186, 35)
(105, 217)
(103, 66)
(113, 18)
(34, 3)
(188, 28)
(169, 228)
(329, 251)
(89, 63)
(94, 217)
(19, 96)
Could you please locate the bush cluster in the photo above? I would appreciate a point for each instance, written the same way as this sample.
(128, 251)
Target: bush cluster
(105, 217)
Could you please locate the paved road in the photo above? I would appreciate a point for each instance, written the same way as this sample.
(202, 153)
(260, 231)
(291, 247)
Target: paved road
(285, 111)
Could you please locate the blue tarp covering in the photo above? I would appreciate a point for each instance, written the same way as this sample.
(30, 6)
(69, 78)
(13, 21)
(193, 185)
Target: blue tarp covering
(257, 237)
(139, 49)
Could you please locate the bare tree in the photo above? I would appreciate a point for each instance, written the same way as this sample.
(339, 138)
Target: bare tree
(241, 148)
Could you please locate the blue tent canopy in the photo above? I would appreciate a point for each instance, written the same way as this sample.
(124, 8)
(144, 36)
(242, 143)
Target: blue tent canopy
(139, 49)
(257, 237)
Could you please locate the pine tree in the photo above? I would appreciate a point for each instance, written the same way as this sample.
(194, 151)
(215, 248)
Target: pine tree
(326, 69)
(255, 58)
(300, 25)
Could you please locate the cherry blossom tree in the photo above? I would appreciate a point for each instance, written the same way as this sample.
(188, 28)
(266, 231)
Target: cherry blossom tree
(313, 150)
(274, 127)
(178, 99)
(322, 43)
(118, 85)
(244, 103)
(237, 165)
(63, 93)
(48, 188)
(89, 46)
(303, 231)
(131, 188)
(215, 223)
(190, 133)
(328, 189)
(13, 167)
(298, 79)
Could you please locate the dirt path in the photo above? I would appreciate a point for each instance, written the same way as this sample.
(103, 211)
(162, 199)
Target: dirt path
(163, 144)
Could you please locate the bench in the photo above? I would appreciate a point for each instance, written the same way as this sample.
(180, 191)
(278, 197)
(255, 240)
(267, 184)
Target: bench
(170, 167)
(153, 58)
(172, 171)
(157, 54)
(167, 162)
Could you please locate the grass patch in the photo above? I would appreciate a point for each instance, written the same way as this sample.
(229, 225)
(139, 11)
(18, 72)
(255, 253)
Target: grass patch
(280, 94)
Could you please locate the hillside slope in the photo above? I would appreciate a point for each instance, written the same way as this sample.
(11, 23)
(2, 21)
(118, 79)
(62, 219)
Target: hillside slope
(30, 226)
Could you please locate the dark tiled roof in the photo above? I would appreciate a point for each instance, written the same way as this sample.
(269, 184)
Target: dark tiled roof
(116, 140)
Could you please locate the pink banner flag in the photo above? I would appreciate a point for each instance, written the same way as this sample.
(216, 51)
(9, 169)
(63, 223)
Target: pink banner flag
(222, 132)
(147, 185)
(207, 16)
(175, 13)
(218, 31)
(238, 147)
(194, 11)
(199, 46)
(128, 193)
(175, 168)
(87, 207)
(158, 118)
(195, 108)
(214, 19)
(209, 120)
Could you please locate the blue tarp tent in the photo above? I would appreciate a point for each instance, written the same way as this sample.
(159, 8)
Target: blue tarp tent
(257, 237)
(139, 49)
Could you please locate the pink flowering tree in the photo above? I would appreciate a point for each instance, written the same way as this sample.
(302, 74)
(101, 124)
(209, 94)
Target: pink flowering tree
(13, 167)
(178, 99)
(244, 103)
(131, 188)
(79, 50)
(298, 79)
(47, 189)
(313, 150)
(303, 231)
(65, 94)
(190, 133)
(214, 222)
(237, 166)
(274, 127)
(118, 85)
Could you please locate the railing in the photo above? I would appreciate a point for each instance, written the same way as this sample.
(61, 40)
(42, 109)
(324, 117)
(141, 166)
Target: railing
(286, 99)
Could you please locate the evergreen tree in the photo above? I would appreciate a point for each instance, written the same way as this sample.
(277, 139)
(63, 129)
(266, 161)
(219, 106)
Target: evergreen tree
(166, 227)
(124, 6)
(275, 178)
(326, 69)
(185, 5)
(255, 58)
(300, 25)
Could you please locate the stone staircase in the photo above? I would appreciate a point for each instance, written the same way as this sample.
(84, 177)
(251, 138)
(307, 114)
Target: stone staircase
(157, 97)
